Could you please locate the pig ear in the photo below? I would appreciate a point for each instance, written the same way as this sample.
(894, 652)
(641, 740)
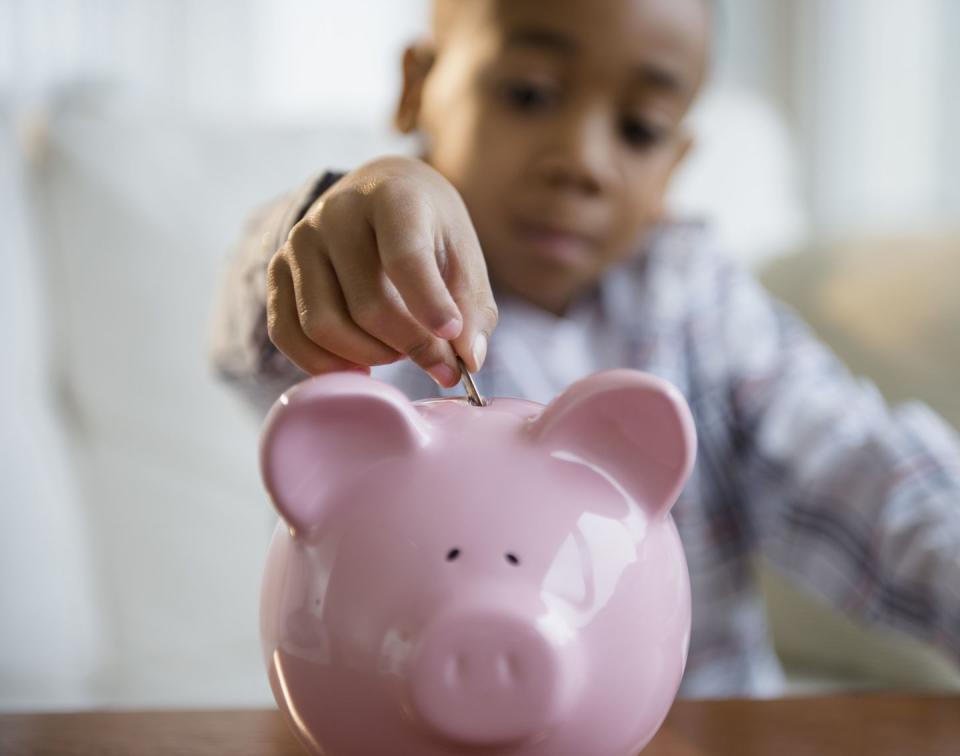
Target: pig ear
(326, 430)
(630, 426)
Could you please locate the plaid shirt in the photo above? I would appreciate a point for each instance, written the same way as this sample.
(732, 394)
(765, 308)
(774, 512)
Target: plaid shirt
(798, 461)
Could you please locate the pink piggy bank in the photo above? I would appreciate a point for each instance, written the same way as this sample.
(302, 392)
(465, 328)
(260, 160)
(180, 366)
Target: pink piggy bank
(457, 579)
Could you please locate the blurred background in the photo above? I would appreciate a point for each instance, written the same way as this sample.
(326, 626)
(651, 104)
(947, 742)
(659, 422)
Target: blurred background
(134, 137)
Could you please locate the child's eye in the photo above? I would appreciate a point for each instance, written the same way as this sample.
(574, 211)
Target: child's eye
(639, 134)
(524, 95)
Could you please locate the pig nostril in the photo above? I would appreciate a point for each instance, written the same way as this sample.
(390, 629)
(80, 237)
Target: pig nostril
(453, 554)
(512, 558)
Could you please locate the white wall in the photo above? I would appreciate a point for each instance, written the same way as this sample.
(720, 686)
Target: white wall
(289, 60)
(950, 95)
(876, 91)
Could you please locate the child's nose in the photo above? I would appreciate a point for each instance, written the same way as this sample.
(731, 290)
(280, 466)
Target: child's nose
(580, 153)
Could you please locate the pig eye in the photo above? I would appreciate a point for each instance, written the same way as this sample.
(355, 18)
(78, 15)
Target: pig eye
(453, 554)
(512, 558)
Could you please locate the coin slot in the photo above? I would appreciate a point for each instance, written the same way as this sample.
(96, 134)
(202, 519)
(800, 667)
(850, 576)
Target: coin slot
(512, 558)
(453, 554)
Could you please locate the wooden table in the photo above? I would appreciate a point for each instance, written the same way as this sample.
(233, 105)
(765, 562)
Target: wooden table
(870, 725)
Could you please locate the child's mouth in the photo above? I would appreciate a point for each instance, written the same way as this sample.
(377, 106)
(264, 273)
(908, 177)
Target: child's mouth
(556, 244)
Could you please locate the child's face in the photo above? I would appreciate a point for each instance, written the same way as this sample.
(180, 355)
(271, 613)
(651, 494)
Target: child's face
(558, 121)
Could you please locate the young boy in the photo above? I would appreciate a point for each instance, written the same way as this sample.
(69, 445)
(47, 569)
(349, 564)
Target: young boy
(551, 129)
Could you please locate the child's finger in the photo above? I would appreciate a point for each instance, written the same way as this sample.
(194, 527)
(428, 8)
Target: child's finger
(283, 325)
(407, 246)
(376, 306)
(470, 287)
(323, 315)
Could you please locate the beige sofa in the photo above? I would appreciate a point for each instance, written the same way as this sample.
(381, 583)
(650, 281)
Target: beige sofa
(890, 308)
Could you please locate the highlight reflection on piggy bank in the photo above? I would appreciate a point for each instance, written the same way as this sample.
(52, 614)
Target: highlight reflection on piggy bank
(452, 579)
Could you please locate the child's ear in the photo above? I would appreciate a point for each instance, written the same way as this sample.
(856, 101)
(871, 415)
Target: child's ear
(417, 62)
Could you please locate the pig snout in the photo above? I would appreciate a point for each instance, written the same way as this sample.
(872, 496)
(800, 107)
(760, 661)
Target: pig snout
(488, 677)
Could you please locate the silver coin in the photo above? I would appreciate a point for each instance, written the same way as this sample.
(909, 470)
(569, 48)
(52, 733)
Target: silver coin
(473, 396)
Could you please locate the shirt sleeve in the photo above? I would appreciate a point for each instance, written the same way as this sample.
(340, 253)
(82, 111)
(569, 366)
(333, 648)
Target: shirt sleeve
(855, 500)
(239, 347)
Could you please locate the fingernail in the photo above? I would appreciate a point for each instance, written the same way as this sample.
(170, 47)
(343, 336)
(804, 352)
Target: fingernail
(443, 374)
(450, 329)
(479, 350)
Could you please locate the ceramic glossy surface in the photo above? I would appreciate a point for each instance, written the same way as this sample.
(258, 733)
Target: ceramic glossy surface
(451, 579)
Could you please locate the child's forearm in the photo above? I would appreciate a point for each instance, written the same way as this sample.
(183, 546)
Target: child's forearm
(239, 347)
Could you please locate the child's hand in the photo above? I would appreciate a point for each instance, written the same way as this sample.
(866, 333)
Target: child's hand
(385, 264)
